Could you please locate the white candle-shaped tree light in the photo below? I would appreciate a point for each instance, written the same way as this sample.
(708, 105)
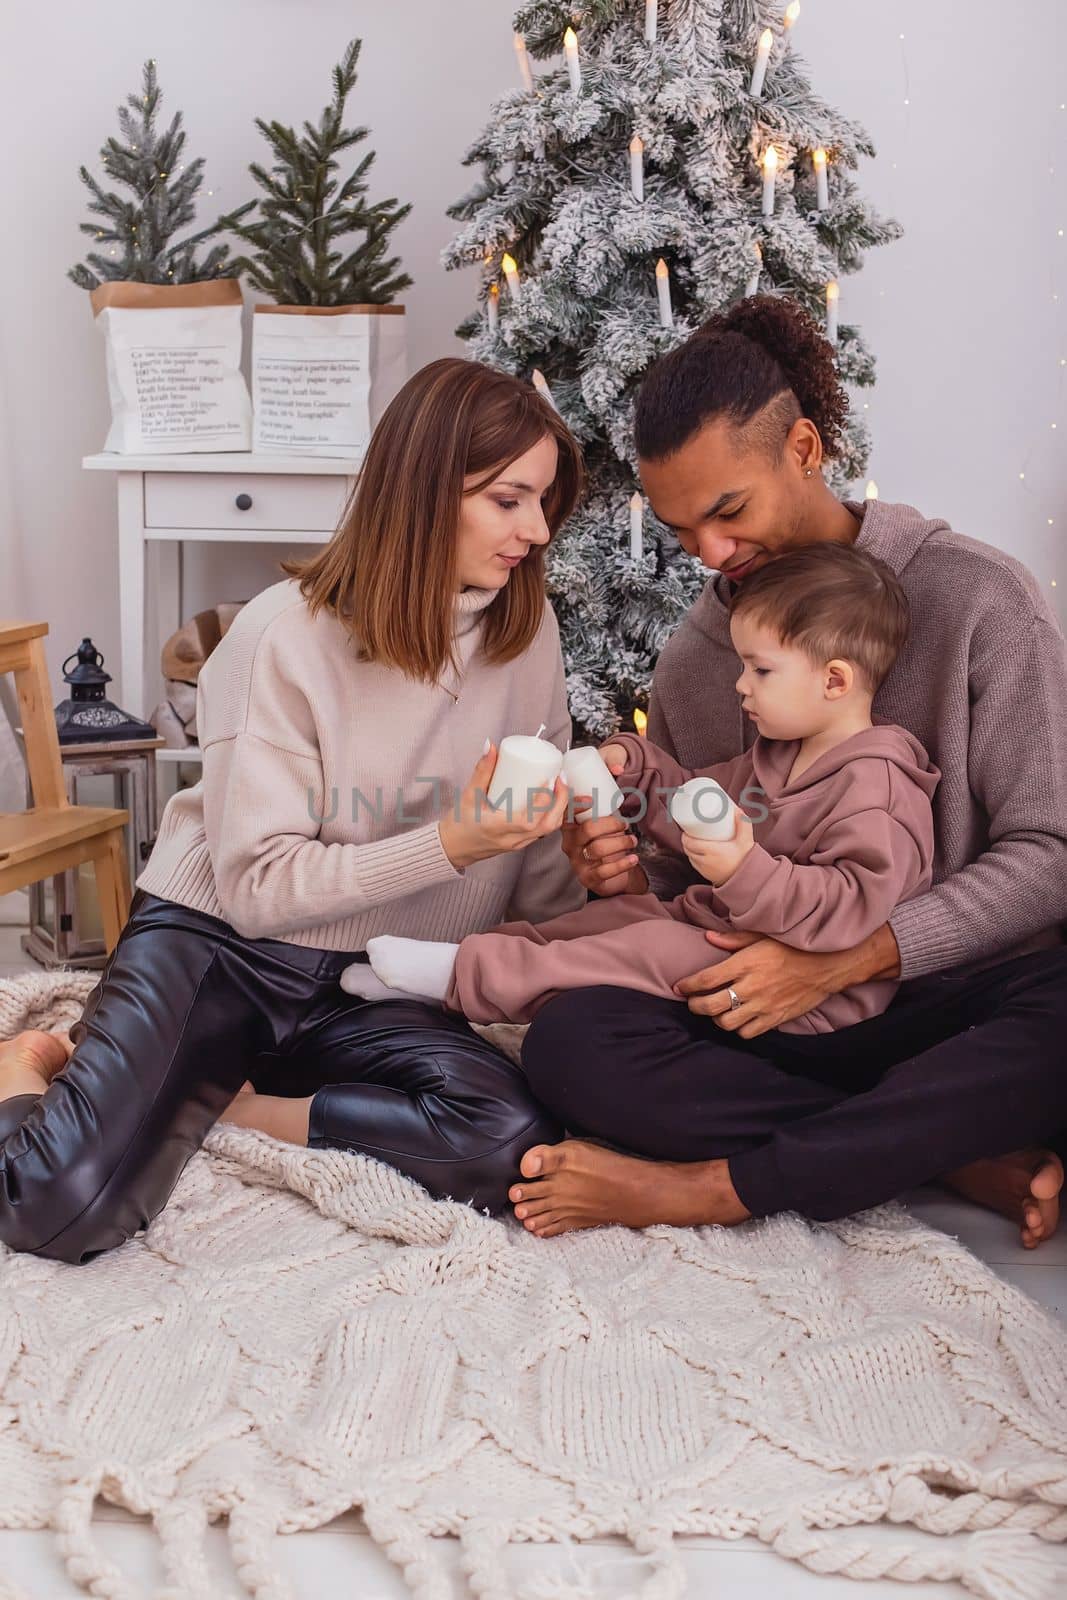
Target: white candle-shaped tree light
(770, 172)
(752, 286)
(792, 12)
(822, 185)
(763, 55)
(492, 307)
(833, 295)
(663, 293)
(637, 517)
(523, 59)
(540, 383)
(651, 20)
(511, 273)
(637, 167)
(574, 66)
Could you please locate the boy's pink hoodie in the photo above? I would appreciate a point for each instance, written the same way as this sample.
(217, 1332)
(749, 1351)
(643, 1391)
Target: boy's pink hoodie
(835, 851)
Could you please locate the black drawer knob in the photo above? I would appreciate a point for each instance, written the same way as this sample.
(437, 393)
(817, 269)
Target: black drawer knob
(244, 502)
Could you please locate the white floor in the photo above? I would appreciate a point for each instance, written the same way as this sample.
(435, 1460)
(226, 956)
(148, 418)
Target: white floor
(341, 1559)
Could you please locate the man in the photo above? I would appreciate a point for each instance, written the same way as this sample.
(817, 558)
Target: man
(717, 1115)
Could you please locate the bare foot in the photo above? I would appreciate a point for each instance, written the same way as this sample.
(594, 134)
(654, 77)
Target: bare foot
(1023, 1186)
(581, 1185)
(30, 1061)
(270, 1113)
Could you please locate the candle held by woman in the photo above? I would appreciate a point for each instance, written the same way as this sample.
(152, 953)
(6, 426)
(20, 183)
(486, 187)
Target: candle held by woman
(763, 55)
(523, 765)
(574, 66)
(770, 171)
(822, 184)
(663, 294)
(637, 167)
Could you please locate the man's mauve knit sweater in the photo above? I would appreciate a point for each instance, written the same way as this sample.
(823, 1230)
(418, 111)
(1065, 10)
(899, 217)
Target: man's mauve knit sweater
(982, 683)
(316, 819)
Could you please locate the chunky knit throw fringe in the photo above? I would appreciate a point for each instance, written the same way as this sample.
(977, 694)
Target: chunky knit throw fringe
(303, 1331)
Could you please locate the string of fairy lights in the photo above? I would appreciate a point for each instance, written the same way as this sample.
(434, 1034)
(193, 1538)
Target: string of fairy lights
(770, 164)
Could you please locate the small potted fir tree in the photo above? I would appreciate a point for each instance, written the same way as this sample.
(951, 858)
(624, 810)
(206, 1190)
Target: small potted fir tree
(329, 346)
(170, 317)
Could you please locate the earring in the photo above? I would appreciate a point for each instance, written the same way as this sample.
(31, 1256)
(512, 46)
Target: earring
(807, 472)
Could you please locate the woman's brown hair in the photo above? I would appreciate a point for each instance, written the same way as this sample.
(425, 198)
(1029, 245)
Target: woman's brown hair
(391, 569)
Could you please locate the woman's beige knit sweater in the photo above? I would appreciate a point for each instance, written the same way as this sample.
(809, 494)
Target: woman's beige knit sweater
(316, 819)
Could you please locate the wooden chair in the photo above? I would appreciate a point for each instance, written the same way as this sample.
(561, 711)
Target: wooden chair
(53, 834)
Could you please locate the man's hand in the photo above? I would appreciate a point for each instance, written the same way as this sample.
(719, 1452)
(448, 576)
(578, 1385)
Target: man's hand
(775, 983)
(601, 853)
(718, 859)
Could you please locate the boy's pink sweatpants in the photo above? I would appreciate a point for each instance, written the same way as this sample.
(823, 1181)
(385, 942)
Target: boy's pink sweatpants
(608, 941)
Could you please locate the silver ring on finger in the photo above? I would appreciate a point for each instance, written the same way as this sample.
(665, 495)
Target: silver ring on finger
(736, 1001)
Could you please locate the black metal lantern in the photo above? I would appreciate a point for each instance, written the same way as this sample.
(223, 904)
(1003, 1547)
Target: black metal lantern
(88, 717)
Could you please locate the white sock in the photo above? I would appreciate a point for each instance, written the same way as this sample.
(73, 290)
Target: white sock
(422, 966)
(359, 979)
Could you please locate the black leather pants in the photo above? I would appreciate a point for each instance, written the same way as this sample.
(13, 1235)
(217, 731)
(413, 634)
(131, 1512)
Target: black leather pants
(186, 1010)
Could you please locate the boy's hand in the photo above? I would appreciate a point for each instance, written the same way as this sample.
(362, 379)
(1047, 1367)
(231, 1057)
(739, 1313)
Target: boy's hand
(718, 859)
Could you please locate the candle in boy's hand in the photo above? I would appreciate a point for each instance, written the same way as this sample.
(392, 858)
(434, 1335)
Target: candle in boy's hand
(703, 808)
(587, 772)
(522, 764)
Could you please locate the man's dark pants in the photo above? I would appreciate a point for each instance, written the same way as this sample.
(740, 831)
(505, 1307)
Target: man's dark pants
(958, 1068)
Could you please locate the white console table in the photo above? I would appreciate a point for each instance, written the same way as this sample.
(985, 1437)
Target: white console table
(168, 500)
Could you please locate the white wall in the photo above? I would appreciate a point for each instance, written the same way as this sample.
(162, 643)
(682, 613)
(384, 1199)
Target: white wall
(961, 312)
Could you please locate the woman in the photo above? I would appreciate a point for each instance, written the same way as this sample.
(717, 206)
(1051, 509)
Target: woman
(338, 718)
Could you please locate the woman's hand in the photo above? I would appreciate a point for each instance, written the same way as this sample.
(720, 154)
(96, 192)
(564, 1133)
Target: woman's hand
(480, 831)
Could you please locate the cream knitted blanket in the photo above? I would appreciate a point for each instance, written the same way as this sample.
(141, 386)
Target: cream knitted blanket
(302, 1331)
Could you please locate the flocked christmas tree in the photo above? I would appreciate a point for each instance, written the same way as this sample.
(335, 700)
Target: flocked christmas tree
(305, 212)
(626, 195)
(137, 235)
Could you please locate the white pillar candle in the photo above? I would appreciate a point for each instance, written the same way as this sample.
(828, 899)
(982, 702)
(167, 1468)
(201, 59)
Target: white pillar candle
(663, 292)
(523, 763)
(540, 383)
(511, 273)
(637, 517)
(770, 169)
(833, 294)
(763, 55)
(704, 809)
(822, 185)
(651, 20)
(587, 772)
(792, 12)
(492, 307)
(523, 59)
(637, 167)
(752, 286)
(574, 66)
